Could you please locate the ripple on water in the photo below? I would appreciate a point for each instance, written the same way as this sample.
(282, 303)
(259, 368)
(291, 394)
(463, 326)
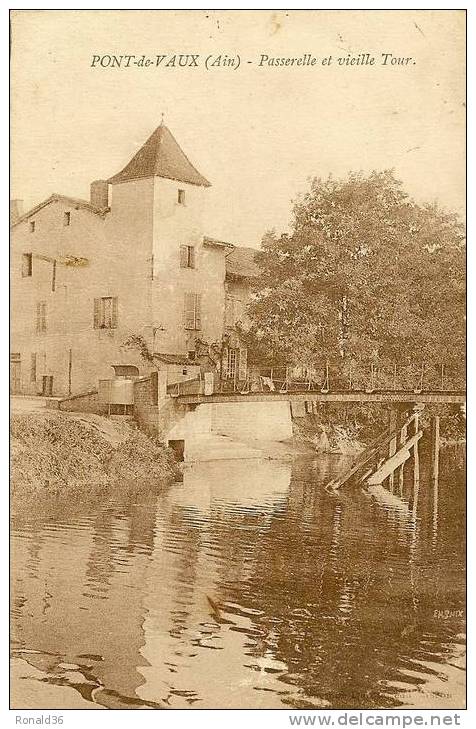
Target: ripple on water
(252, 578)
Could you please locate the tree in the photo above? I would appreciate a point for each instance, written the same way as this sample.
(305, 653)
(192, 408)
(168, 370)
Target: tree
(366, 277)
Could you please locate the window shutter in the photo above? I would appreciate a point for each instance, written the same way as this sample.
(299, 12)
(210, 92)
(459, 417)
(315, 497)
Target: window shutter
(53, 277)
(41, 317)
(114, 313)
(238, 310)
(41, 363)
(27, 264)
(154, 387)
(224, 362)
(183, 256)
(97, 313)
(198, 311)
(229, 314)
(192, 256)
(189, 311)
(242, 367)
(33, 367)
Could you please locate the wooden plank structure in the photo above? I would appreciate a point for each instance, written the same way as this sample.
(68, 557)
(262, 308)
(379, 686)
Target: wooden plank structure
(374, 465)
(396, 461)
(392, 448)
(435, 446)
(455, 397)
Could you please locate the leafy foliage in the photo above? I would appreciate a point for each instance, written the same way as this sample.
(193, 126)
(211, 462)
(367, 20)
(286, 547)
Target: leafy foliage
(367, 275)
(139, 344)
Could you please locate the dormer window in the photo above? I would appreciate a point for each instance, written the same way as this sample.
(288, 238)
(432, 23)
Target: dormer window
(67, 219)
(32, 226)
(181, 197)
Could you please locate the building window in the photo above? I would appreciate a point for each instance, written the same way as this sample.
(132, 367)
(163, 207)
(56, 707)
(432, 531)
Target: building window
(187, 256)
(41, 364)
(192, 314)
(233, 310)
(41, 317)
(191, 354)
(181, 197)
(231, 364)
(53, 276)
(105, 312)
(67, 219)
(47, 385)
(32, 226)
(236, 363)
(33, 367)
(26, 265)
(15, 373)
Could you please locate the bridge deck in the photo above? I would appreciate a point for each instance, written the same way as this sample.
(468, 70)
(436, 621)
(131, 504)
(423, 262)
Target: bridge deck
(392, 396)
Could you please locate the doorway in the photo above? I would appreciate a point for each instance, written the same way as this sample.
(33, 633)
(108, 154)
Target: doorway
(178, 447)
(15, 373)
(47, 386)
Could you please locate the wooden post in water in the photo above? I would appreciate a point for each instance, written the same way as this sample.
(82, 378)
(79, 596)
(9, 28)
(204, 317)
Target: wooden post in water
(416, 461)
(403, 440)
(416, 456)
(434, 531)
(435, 446)
(392, 447)
(70, 370)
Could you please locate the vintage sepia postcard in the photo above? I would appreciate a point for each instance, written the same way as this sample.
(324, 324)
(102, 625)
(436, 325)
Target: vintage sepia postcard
(237, 362)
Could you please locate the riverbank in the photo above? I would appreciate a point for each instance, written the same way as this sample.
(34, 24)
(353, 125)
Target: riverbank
(348, 430)
(66, 453)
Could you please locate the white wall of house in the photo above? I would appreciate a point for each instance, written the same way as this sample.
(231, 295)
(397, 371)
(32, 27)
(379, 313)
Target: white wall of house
(177, 225)
(94, 260)
(84, 265)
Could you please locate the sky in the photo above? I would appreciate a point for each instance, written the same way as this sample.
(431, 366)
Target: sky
(258, 133)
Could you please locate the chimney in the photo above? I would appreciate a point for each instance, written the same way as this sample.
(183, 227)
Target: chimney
(16, 210)
(100, 194)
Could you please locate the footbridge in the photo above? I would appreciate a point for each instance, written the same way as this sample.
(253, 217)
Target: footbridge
(262, 405)
(423, 397)
(423, 385)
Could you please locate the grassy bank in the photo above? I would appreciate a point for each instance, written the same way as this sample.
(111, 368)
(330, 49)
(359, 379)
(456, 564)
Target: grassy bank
(61, 453)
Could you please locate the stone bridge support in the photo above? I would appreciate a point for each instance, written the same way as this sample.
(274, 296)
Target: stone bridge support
(247, 423)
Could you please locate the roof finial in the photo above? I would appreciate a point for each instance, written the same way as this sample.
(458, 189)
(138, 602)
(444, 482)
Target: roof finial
(162, 120)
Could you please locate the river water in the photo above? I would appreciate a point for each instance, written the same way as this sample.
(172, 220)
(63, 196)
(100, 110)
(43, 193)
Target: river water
(248, 586)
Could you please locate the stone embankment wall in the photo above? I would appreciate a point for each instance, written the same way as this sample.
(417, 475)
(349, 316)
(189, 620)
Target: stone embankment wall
(87, 402)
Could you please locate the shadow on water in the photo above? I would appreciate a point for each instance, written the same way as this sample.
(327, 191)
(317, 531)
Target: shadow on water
(249, 586)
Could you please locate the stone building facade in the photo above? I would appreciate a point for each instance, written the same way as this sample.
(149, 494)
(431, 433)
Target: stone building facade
(94, 282)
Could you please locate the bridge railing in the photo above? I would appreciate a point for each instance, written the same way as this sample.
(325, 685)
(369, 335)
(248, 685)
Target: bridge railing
(361, 377)
(353, 377)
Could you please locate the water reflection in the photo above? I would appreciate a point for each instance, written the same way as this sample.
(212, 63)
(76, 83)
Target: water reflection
(249, 586)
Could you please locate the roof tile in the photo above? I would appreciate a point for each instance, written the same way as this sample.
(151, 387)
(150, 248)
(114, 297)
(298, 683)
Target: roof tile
(161, 156)
(240, 263)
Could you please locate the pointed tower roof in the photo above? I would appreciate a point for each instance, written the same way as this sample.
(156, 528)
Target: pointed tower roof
(161, 156)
